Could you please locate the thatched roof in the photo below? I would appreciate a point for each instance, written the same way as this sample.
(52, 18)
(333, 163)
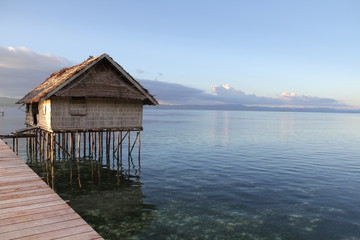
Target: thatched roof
(58, 80)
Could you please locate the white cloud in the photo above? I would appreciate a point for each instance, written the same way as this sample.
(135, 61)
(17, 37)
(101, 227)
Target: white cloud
(230, 95)
(286, 94)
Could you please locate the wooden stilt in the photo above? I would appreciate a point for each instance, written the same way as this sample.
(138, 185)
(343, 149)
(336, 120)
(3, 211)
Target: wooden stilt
(136, 138)
(107, 147)
(78, 146)
(84, 145)
(95, 144)
(113, 147)
(139, 151)
(129, 152)
(117, 152)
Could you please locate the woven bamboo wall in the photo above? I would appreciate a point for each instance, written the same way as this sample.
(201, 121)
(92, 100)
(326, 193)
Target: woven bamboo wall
(97, 113)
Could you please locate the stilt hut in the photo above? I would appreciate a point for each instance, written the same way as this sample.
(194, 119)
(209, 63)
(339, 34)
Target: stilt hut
(95, 96)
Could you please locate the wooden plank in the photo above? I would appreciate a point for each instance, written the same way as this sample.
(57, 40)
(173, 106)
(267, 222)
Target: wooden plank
(60, 234)
(17, 181)
(20, 187)
(42, 229)
(35, 216)
(29, 209)
(27, 201)
(38, 222)
(10, 179)
(80, 236)
(13, 212)
(34, 192)
(23, 208)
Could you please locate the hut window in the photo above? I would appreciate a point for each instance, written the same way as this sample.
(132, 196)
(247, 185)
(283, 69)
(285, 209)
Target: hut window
(78, 106)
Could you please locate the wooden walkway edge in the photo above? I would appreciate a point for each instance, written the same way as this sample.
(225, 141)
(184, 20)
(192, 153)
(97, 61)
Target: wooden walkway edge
(29, 209)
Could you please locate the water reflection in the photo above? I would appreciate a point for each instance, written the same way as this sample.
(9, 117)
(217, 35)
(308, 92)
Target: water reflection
(107, 198)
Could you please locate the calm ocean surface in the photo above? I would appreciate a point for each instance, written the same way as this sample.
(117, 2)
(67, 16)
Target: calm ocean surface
(230, 175)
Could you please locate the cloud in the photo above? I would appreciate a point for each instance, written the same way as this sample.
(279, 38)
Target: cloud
(229, 95)
(22, 69)
(173, 93)
(295, 100)
(24, 58)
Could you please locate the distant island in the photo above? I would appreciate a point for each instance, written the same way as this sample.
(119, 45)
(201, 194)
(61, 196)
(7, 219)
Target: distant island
(8, 102)
(239, 107)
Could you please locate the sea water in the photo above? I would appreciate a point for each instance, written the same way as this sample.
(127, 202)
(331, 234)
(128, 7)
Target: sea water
(228, 175)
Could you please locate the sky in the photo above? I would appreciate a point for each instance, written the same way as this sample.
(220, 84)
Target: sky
(260, 52)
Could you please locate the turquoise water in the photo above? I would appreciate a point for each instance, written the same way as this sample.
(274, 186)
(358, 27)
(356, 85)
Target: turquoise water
(252, 175)
(228, 175)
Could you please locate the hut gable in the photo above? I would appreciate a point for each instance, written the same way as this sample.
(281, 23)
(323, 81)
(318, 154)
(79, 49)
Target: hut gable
(96, 77)
(102, 80)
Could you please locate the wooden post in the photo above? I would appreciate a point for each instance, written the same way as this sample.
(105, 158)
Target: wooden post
(95, 144)
(46, 152)
(66, 141)
(121, 149)
(118, 142)
(129, 152)
(70, 142)
(139, 149)
(136, 138)
(36, 145)
(52, 163)
(100, 146)
(78, 145)
(84, 145)
(59, 141)
(90, 145)
(78, 159)
(112, 149)
(28, 151)
(107, 143)
(42, 150)
(73, 146)
(52, 138)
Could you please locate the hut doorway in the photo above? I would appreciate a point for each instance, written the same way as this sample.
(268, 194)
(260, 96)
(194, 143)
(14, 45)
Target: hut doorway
(35, 112)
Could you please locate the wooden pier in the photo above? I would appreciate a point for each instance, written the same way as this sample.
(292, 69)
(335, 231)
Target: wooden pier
(30, 209)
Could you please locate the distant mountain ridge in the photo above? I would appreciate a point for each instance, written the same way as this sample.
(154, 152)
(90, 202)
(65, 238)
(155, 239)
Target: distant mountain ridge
(8, 102)
(239, 107)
